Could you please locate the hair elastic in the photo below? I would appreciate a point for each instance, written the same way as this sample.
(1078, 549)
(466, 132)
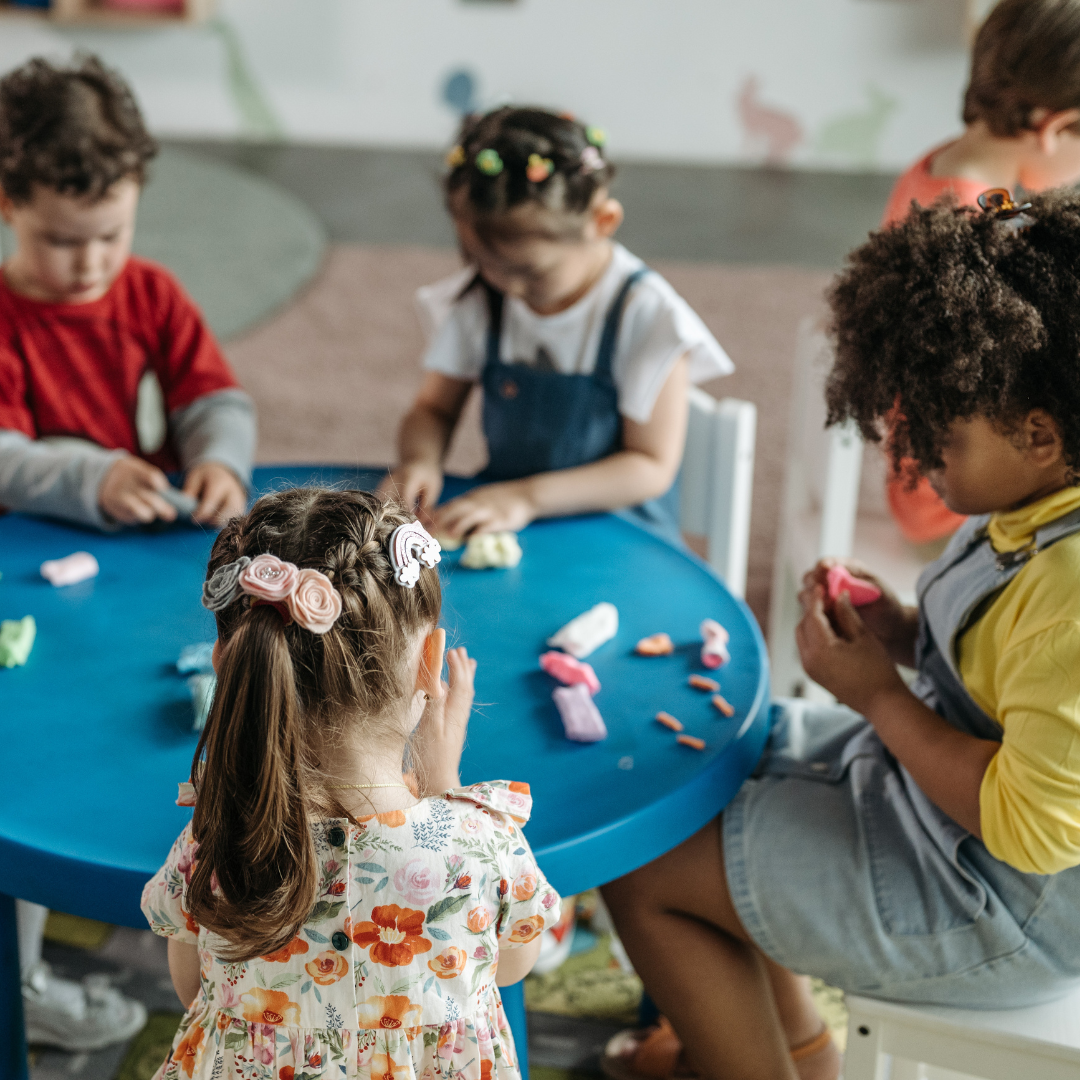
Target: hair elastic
(455, 157)
(596, 136)
(591, 161)
(411, 546)
(489, 162)
(539, 168)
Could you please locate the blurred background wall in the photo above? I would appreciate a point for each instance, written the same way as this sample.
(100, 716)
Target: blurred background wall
(855, 85)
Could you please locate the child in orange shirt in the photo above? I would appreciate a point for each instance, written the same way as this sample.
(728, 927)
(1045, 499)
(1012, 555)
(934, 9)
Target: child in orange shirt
(1022, 128)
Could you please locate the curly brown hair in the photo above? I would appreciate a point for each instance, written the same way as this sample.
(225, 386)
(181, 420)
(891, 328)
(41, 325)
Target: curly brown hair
(76, 130)
(954, 313)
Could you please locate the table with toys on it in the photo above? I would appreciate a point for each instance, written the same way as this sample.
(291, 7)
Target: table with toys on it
(617, 676)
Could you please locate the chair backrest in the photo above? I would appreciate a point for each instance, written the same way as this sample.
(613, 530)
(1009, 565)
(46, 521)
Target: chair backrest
(717, 482)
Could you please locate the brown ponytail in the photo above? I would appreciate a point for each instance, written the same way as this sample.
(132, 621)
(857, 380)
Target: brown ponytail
(284, 695)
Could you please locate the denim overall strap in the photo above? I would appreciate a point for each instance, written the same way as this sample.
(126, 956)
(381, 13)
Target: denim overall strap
(609, 336)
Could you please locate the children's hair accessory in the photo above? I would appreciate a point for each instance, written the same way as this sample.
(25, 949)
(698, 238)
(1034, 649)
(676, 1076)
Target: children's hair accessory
(455, 157)
(489, 162)
(411, 546)
(591, 161)
(538, 169)
(999, 202)
(306, 597)
(597, 136)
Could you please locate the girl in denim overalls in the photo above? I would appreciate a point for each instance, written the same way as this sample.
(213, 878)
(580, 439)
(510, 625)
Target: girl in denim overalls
(917, 843)
(584, 355)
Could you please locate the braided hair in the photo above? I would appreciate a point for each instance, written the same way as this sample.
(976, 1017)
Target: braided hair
(513, 156)
(284, 696)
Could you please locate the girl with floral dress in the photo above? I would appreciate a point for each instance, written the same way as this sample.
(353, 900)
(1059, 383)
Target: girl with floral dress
(325, 919)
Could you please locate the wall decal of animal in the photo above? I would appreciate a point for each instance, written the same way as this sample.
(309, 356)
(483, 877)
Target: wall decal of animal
(856, 135)
(767, 132)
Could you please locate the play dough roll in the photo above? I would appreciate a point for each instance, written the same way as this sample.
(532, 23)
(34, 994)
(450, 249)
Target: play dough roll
(581, 719)
(78, 566)
(567, 670)
(714, 651)
(585, 634)
(840, 579)
(16, 641)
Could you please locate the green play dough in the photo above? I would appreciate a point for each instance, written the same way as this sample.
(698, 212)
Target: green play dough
(16, 640)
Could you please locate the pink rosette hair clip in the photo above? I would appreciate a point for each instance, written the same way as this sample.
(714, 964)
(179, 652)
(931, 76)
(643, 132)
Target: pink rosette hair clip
(410, 546)
(306, 597)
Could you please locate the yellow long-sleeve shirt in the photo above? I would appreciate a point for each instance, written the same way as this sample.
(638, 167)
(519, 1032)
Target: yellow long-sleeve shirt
(1020, 661)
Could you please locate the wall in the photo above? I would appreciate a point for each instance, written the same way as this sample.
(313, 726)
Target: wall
(846, 84)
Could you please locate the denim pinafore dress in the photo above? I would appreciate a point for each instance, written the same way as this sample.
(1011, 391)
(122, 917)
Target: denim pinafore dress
(538, 420)
(841, 867)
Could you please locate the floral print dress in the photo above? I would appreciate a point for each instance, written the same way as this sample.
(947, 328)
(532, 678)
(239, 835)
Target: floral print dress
(393, 974)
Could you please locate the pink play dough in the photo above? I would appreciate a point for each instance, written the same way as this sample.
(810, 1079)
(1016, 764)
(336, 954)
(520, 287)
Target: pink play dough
(569, 671)
(715, 651)
(70, 569)
(839, 579)
(581, 718)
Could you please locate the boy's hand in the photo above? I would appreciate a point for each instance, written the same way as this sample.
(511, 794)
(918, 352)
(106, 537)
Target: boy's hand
(893, 624)
(129, 493)
(441, 731)
(417, 484)
(504, 507)
(221, 495)
(842, 655)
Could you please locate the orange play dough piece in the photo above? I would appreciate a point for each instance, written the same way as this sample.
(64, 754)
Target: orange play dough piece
(668, 721)
(691, 740)
(655, 645)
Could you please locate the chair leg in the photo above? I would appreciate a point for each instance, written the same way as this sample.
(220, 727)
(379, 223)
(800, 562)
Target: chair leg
(863, 1059)
(12, 1032)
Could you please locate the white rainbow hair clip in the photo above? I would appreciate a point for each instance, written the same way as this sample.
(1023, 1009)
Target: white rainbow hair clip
(410, 546)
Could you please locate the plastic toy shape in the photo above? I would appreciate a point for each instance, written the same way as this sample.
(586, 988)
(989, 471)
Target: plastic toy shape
(16, 641)
(714, 651)
(668, 721)
(691, 740)
(700, 682)
(655, 645)
(723, 705)
(196, 659)
(585, 634)
(78, 566)
(184, 504)
(570, 671)
(202, 689)
(498, 550)
(839, 580)
(581, 719)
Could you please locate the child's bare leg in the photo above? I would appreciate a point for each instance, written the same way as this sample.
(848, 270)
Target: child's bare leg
(737, 1013)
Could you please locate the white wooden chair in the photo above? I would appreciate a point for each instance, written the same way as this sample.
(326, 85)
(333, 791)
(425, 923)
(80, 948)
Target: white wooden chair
(717, 482)
(833, 504)
(889, 1041)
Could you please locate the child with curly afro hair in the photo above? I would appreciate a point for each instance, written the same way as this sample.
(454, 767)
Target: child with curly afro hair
(913, 842)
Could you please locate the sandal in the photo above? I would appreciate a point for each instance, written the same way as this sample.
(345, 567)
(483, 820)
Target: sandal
(656, 1053)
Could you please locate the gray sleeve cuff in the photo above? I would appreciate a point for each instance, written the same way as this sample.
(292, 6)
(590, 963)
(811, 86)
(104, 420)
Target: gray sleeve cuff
(59, 481)
(218, 427)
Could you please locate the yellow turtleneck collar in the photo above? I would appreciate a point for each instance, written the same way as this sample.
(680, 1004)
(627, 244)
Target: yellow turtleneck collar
(1011, 530)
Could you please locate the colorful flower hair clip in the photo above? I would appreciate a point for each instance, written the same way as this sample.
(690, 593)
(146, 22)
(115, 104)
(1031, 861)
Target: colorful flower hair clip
(596, 136)
(412, 546)
(539, 168)
(305, 597)
(591, 161)
(999, 202)
(489, 162)
(455, 157)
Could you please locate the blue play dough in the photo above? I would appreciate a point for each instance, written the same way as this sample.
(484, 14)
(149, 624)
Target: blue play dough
(97, 725)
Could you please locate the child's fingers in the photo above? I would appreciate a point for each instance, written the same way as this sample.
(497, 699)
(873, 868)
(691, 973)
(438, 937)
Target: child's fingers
(847, 618)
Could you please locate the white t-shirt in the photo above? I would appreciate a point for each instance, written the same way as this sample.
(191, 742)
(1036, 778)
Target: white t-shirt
(658, 326)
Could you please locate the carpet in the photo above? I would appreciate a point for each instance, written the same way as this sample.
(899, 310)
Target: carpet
(334, 370)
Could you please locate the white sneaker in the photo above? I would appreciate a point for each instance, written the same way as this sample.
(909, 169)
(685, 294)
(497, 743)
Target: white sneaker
(77, 1016)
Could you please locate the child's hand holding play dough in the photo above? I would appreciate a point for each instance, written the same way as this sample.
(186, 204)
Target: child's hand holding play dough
(504, 507)
(221, 495)
(129, 493)
(440, 734)
(893, 624)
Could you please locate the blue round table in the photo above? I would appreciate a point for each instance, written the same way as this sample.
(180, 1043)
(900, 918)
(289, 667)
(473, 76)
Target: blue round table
(96, 727)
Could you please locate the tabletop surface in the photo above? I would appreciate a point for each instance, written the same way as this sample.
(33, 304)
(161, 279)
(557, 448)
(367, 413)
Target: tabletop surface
(97, 731)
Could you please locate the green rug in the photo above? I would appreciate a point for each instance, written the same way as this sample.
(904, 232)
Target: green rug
(241, 245)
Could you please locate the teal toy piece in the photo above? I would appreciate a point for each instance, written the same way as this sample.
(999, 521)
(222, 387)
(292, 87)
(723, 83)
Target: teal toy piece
(97, 725)
(16, 641)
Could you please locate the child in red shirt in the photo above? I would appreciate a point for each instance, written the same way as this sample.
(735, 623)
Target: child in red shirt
(1022, 117)
(90, 335)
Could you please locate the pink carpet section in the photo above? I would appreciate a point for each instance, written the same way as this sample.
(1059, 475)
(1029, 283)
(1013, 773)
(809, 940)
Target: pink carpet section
(333, 372)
